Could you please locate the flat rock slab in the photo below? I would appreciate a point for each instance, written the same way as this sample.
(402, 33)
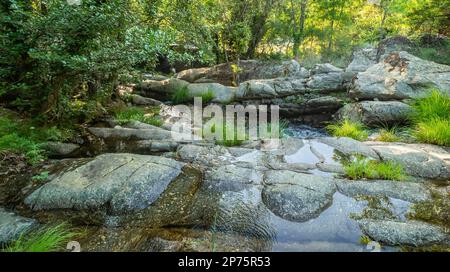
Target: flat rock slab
(421, 160)
(12, 226)
(297, 197)
(410, 233)
(118, 182)
(349, 146)
(407, 191)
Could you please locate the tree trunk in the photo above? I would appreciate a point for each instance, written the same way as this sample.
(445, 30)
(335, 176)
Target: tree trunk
(298, 30)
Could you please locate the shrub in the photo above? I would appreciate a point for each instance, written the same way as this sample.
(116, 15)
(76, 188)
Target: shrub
(362, 167)
(349, 129)
(43, 240)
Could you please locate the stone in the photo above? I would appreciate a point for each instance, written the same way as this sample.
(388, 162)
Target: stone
(269, 88)
(326, 78)
(362, 60)
(297, 197)
(410, 233)
(375, 113)
(400, 76)
(61, 150)
(12, 226)
(120, 183)
(161, 90)
(144, 101)
(407, 191)
(249, 70)
(221, 93)
(349, 146)
(232, 178)
(420, 160)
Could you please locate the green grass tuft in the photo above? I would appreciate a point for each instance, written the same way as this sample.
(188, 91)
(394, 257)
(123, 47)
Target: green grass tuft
(181, 95)
(207, 97)
(431, 119)
(434, 131)
(136, 114)
(434, 106)
(388, 135)
(47, 239)
(364, 168)
(349, 129)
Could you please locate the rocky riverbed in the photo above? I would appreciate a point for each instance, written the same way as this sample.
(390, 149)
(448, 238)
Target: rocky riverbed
(134, 189)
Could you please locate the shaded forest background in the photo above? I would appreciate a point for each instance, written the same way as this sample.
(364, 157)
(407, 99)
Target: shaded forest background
(61, 60)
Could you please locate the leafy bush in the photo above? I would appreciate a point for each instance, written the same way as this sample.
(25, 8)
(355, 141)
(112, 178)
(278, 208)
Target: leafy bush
(349, 129)
(362, 167)
(136, 114)
(47, 239)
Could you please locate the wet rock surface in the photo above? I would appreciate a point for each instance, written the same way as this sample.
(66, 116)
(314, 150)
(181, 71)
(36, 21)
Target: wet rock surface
(297, 197)
(410, 233)
(12, 226)
(119, 183)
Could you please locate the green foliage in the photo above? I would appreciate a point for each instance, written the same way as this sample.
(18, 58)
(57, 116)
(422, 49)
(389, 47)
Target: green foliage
(43, 176)
(388, 135)
(435, 131)
(207, 97)
(431, 119)
(364, 240)
(181, 95)
(362, 167)
(435, 105)
(349, 129)
(48, 239)
(26, 137)
(136, 114)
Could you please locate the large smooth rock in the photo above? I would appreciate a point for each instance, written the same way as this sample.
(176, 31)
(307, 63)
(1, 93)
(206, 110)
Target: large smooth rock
(375, 113)
(270, 88)
(421, 160)
(153, 133)
(120, 183)
(163, 89)
(144, 101)
(249, 70)
(221, 93)
(410, 233)
(407, 191)
(362, 60)
(12, 226)
(232, 178)
(61, 150)
(401, 76)
(326, 78)
(297, 197)
(349, 146)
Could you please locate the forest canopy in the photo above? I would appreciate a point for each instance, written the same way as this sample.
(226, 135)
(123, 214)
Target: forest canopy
(61, 59)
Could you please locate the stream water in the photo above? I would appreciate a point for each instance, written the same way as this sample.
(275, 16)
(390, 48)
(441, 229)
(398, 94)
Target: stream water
(239, 220)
